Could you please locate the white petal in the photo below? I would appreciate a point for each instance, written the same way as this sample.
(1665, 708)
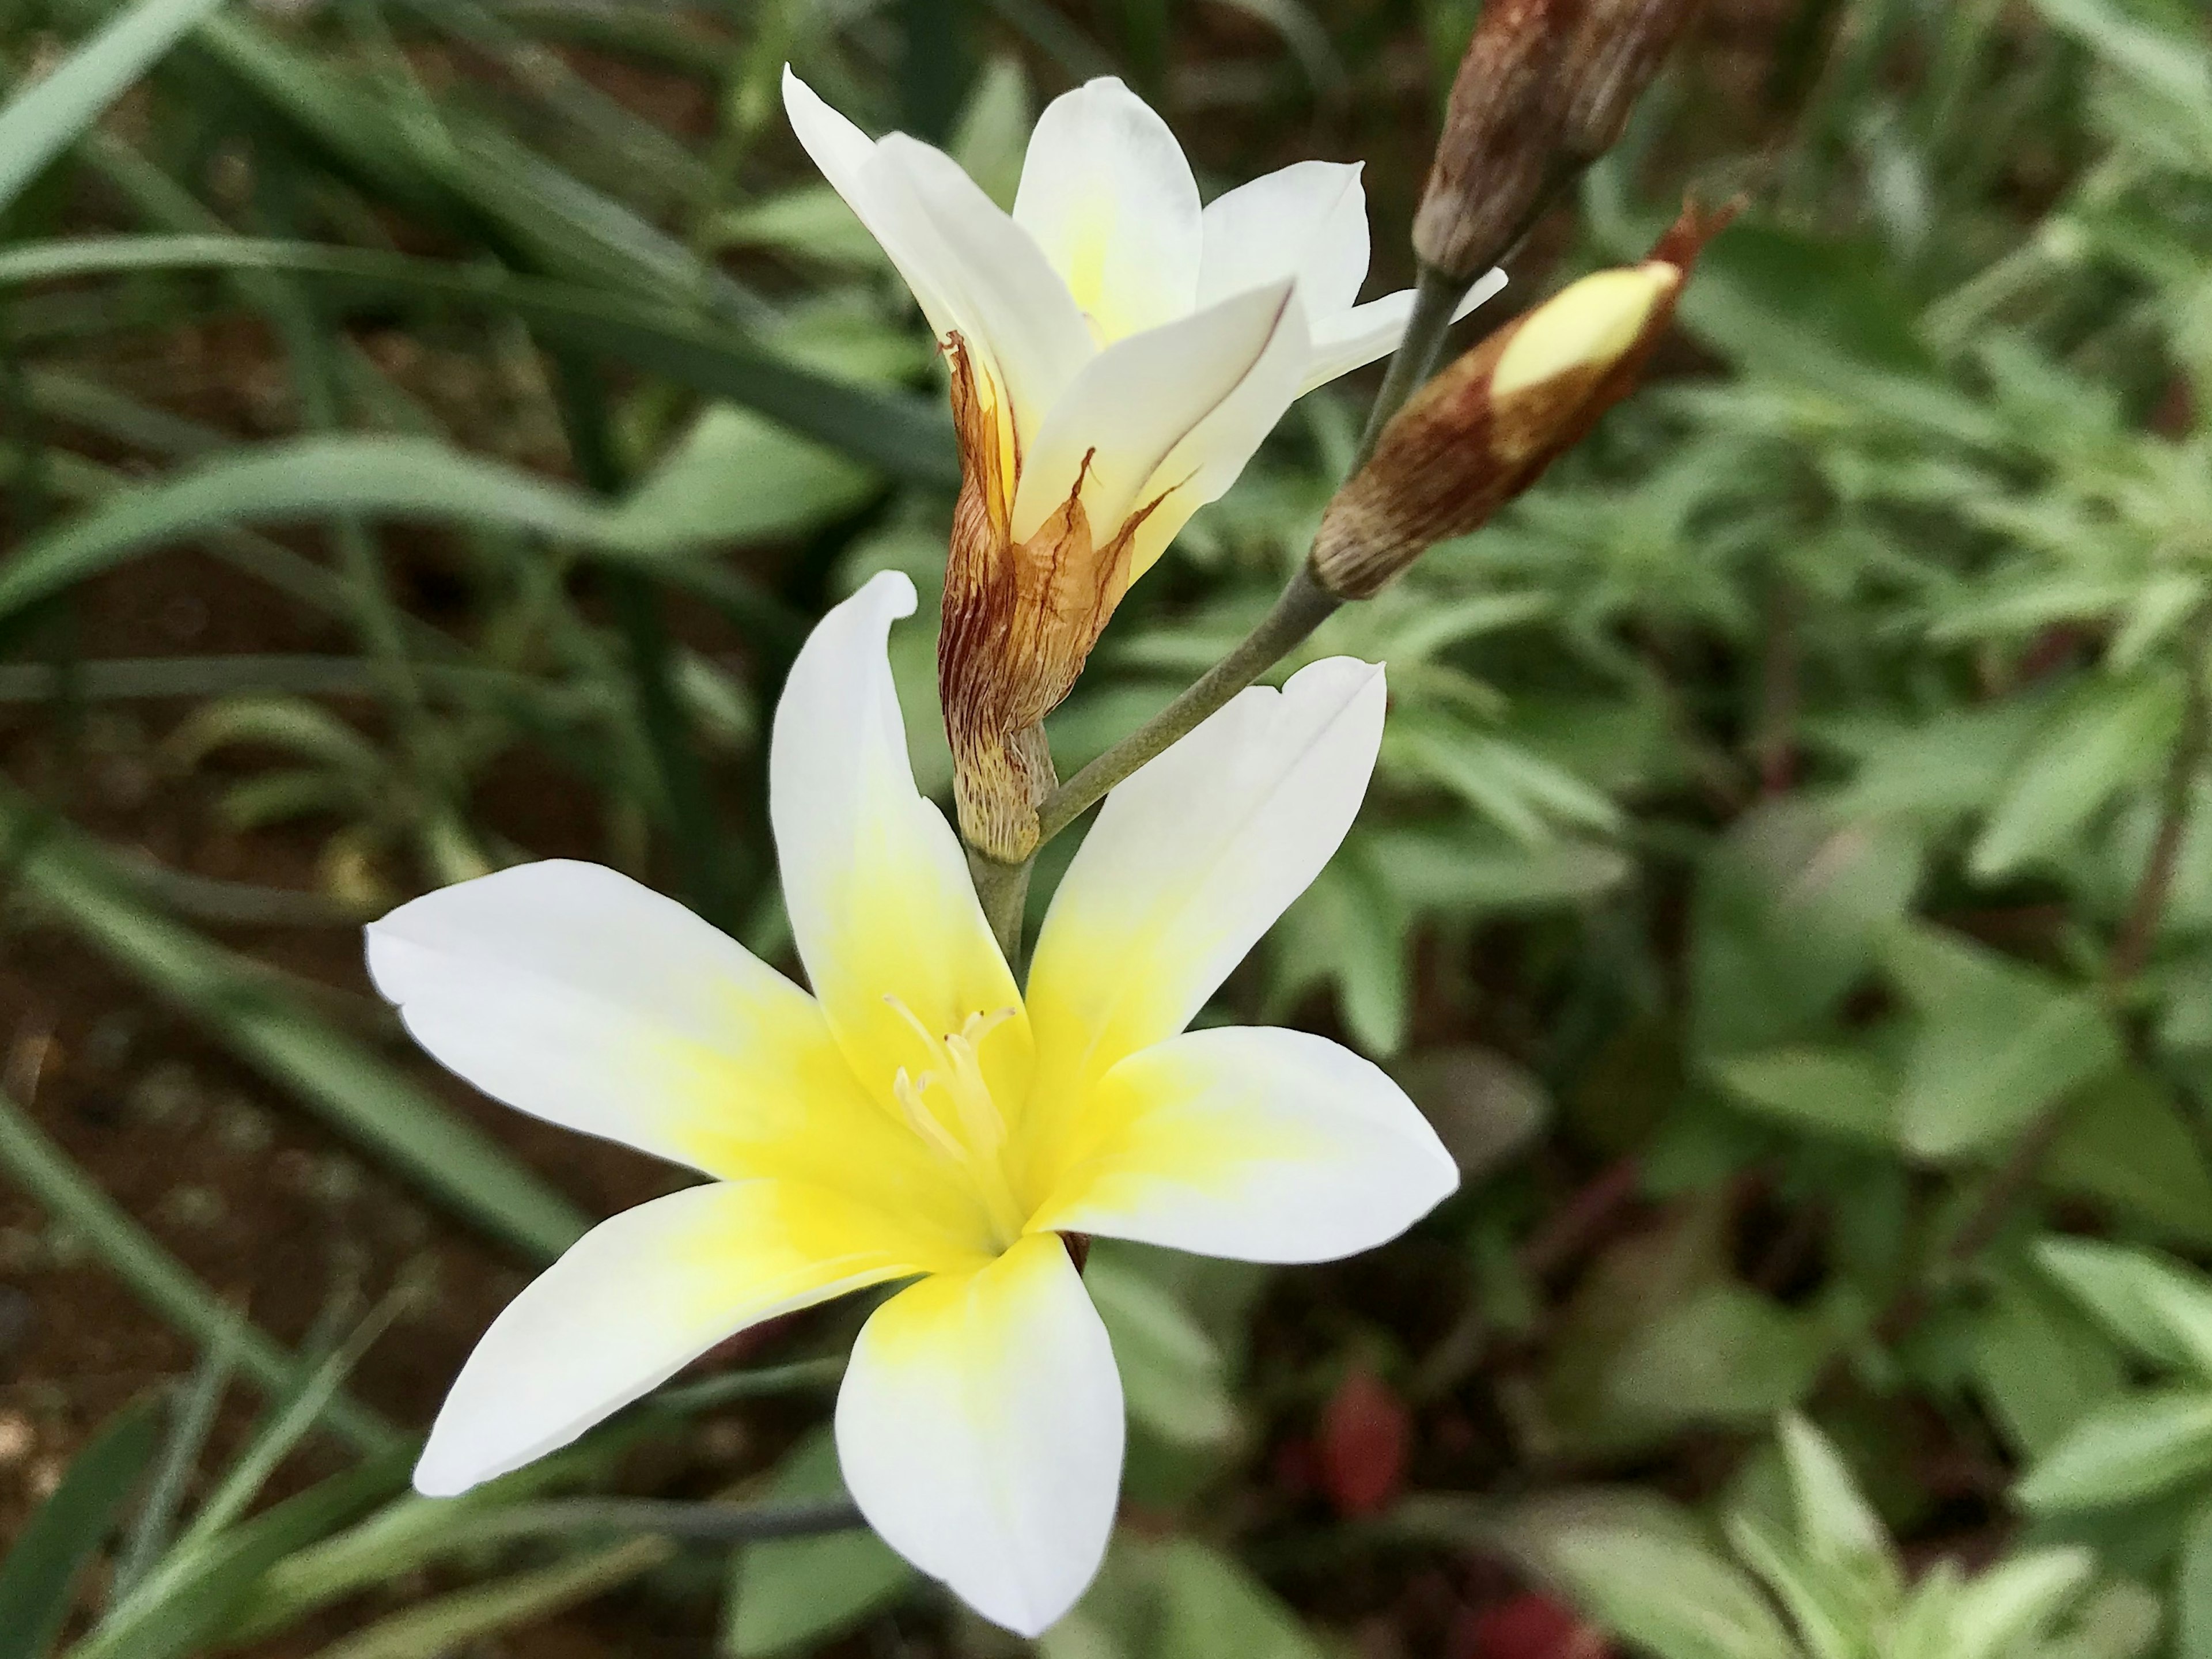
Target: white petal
(1262, 1145)
(1308, 221)
(971, 270)
(1000, 292)
(1209, 456)
(1138, 400)
(1108, 196)
(1192, 860)
(633, 1301)
(1352, 339)
(980, 1430)
(874, 880)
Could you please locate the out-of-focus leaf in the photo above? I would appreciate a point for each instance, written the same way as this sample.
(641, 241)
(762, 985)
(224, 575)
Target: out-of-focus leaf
(2041, 1366)
(2192, 1588)
(2015, 1600)
(1173, 1378)
(907, 438)
(1840, 1092)
(39, 1574)
(789, 1594)
(2126, 1144)
(452, 1622)
(1210, 1607)
(1789, 912)
(2131, 1292)
(1835, 1525)
(1726, 1355)
(992, 138)
(2112, 735)
(1996, 1043)
(1942, 768)
(1646, 1574)
(1483, 1107)
(2133, 1449)
(737, 478)
(1776, 299)
(48, 116)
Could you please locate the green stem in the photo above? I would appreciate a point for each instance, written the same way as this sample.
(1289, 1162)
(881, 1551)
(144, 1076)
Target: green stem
(1303, 605)
(1004, 889)
(1437, 294)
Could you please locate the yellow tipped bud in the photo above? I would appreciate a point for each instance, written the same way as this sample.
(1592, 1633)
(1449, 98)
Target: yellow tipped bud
(1486, 428)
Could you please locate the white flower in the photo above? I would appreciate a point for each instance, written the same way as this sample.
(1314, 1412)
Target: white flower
(1119, 353)
(920, 1117)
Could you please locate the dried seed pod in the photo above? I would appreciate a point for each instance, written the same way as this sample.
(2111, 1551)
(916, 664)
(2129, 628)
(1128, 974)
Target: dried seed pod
(1544, 90)
(1486, 428)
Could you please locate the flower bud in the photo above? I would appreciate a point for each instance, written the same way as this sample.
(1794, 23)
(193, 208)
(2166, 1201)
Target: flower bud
(1544, 90)
(1486, 428)
(1493, 166)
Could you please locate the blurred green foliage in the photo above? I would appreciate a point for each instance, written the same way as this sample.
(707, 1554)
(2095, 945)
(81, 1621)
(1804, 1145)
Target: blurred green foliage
(1785, 884)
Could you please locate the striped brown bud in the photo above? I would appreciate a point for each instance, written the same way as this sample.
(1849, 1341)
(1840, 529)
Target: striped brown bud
(1486, 428)
(1493, 169)
(1616, 52)
(1545, 89)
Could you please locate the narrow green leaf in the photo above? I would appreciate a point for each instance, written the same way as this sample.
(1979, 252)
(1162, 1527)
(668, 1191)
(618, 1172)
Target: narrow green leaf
(452, 1622)
(157, 1277)
(2133, 1449)
(49, 115)
(360, 1095)
(788, 1595)
(909, 438)
(40, 1572)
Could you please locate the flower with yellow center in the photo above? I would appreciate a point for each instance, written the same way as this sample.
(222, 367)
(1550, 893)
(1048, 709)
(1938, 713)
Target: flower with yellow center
(1118, 354)
(921, 1116)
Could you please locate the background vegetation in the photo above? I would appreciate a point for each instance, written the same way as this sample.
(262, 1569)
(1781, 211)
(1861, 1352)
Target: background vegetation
(430, 426)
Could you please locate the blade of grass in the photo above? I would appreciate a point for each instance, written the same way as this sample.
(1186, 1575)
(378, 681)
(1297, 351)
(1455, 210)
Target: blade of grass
(452, 1622)
(48, 116)
(42, 1571)
(909, 437)
(361, 1096)
(158, 1279)
(194, 1597)
(192, 1411)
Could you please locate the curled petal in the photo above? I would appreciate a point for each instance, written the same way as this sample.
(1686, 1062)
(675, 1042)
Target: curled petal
(980, 1430)
(1261, 1145)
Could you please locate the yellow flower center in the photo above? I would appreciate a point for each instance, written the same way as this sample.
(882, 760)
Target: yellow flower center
(949, 1105)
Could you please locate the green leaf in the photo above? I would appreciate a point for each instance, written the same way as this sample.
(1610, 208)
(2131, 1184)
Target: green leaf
(39, 1573)
(2041, 1365)
(2132, 1449)
(1173, 1378)
(907, 438)
(737, 478)
(2192, 1588)
(2110, 736)
(1997, 1043)
(1210, 1607)
(1642, 1573)
(1840, 1092)
(1726, 1354)
(452, 1623)
(360, 1094)
(2126, 1144)
(49, 115)
(2003, 1610)
(1835, 1525)
(2131, 1292)
(790, 1593)
(1789, 913)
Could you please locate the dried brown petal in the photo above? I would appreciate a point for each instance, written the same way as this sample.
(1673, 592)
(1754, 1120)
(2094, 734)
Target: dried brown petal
(1019, 621)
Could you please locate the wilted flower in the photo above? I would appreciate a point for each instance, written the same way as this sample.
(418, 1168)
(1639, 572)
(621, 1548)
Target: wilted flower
(918, 1116)
(1486, 428)
(1118, 354)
